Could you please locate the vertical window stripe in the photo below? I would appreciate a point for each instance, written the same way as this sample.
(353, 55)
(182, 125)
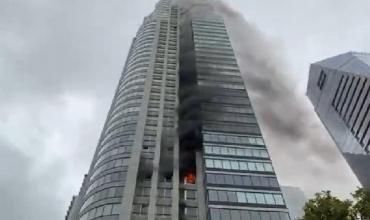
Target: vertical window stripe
(336, 92)
(355, 88)
(355, 105)
(346, 96)
(341, 93)
(360, 111)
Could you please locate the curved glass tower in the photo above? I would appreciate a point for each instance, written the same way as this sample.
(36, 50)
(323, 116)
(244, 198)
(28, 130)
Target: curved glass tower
(181, 140)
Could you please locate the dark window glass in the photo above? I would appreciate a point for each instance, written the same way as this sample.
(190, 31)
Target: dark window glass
(235, 215)
(247, 181)
(264, 181)
(275, 216)
(211, 178)
(215, 214)
(191, 211)
(245, 215)
(255, 216)
(229, 179)
(273, 182)
(284, 216)
(256, 181)
(238, 180)
(265, 216)
(231, 196)
(225, 214)
(220, 179)
(212, 195)
(222, 196)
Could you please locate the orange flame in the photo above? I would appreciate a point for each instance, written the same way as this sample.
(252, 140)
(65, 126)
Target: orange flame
(189, 178)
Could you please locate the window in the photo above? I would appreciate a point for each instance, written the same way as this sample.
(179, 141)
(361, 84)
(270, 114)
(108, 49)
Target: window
(189, 194)
(265, 216)
(226, 164)
(222, 196)
(268, 167)
(225, 214)
(243, 166)
(269, 199)
(107, 210)
(163, 210)
(247, 180)
(238, 180)
(212, 195)
(322, 79)
(211, 178)
(251, 198)
(252, 166)
(191, 211)
(229, 179)
(255, 215)
(241, 197)
(220, 179)
(111, 209)
(260, 198)
(278, 199)
(245, 215)
(231, 196)
(164, 193)
(239, 165)
(215, 214)
(218, 164)
(255, 180)
(234, 165)
(235, 214)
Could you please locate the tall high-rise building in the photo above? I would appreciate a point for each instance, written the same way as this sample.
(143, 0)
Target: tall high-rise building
(339, 88)
(181, 140)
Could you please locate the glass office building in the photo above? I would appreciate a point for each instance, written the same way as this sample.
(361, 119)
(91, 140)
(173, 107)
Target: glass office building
(339, 88)
(181, 140)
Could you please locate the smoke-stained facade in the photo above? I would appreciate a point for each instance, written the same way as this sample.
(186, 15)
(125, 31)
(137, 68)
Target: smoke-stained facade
(339, 88)
(181, 140)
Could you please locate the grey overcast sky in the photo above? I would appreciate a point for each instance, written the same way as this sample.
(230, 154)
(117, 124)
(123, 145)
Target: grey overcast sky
(59, 64)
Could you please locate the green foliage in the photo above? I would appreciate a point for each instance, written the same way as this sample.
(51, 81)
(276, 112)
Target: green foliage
(362, 203)
(324, 206)
(327, 207)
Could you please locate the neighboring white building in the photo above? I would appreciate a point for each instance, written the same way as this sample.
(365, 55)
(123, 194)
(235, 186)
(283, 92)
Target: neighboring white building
(339, 89)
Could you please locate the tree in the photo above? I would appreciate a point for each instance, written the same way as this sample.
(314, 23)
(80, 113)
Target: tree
(362, 203)
(327, 207)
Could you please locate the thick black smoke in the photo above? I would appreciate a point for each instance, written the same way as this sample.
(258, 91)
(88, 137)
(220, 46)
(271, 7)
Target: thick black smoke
(287, 119)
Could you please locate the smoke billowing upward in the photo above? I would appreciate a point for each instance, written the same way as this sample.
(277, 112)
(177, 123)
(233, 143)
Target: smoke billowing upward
(290, 127)
(281, 107)
(288, 122)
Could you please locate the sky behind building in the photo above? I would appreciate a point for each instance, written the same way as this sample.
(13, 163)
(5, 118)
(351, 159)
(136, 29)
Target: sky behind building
(59, 64)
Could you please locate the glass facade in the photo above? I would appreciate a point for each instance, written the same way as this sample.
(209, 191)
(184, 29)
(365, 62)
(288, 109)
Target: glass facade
(240, 180)
(181, 140)
(339, 89)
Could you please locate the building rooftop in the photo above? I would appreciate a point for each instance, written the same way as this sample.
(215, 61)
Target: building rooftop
(354, 62)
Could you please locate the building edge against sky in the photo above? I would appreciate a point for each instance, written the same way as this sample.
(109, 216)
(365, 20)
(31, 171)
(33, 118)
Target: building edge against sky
(339, 88)
(295, 200)
(181, 140)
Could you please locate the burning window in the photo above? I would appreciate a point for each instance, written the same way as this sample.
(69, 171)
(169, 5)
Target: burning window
(189, 177)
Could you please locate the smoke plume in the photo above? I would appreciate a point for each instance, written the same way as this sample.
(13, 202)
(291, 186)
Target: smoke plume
(289, 125)
(282, 109)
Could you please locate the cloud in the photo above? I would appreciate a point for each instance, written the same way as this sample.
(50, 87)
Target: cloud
(24, 192)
